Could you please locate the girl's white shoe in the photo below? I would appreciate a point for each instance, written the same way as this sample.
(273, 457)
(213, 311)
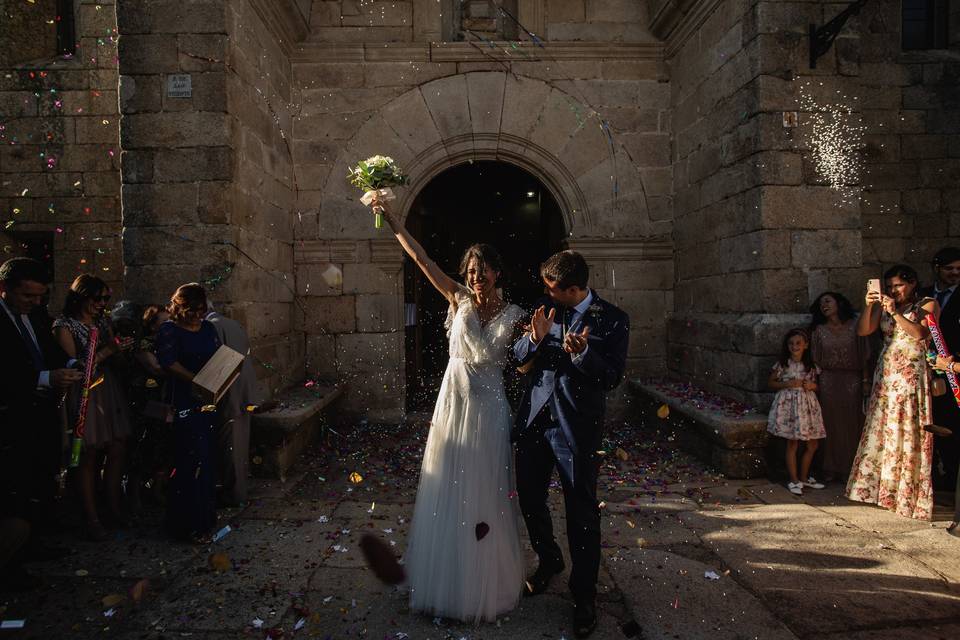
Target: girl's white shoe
(796, 488)
(812, 483)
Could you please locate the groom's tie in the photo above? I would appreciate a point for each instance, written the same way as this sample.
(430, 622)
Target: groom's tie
(565, 322)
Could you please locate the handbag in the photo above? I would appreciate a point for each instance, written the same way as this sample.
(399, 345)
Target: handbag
(938, 387)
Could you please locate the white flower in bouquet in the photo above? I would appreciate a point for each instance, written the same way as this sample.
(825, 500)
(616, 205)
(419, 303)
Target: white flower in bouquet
(375, 176)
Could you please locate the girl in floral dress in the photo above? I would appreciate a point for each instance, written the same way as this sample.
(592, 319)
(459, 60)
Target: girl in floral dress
(892, 467)
(795, 414)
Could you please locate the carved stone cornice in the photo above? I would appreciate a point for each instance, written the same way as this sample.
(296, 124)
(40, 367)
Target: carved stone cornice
(674, 21)
(306, 52)
(284, 20)
(624, 249)
(321, 251)
(386, 253)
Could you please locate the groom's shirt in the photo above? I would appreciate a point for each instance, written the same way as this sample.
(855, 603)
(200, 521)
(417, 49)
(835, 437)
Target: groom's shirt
(558, 327)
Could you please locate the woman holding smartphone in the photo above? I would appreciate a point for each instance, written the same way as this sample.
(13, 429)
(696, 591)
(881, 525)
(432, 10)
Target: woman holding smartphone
(892, 467)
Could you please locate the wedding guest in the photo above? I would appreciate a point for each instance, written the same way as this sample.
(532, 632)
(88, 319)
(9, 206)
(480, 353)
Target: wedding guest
(946, 450)
(32, 376)
(107, 423)
(948, 363)
(156, 415)
(844, 380)
(795, 413)
(233, 430)
(892, 467)
(33, 365)
(184, 344)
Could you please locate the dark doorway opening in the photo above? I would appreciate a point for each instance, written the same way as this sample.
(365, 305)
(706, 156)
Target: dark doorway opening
(480, 201)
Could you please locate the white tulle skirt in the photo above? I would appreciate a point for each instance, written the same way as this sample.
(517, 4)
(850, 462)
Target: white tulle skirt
(466, 482)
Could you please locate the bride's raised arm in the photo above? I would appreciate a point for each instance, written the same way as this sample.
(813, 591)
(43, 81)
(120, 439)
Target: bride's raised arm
(440, 280)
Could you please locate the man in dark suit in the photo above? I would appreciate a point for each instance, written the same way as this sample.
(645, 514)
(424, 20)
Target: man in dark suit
(233, 429)
(32, 375)
(576, 350)
(946, 454)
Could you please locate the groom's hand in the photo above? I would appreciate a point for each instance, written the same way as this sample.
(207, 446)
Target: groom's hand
(541, 324)
(576, 342)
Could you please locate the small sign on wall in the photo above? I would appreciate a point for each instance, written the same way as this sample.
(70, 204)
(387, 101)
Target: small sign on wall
(179, 86)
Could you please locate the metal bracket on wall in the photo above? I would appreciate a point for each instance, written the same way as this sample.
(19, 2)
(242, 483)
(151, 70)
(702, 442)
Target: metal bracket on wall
(822, 37)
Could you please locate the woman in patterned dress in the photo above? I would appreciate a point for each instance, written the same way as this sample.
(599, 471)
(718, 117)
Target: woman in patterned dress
(107, 422)
(892, 467)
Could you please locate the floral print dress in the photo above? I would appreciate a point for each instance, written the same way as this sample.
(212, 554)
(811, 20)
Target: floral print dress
(893, 464)
(795, 414)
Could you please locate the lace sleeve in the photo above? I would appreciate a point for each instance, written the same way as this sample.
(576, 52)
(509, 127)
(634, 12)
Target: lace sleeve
(463, 297)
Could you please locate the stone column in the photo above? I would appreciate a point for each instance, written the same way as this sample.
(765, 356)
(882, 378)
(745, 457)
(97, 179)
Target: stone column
(208, 179)
(758, 233)
(177, 158)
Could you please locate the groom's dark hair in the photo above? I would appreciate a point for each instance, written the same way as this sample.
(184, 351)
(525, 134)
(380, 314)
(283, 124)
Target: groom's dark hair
(487, 256)
(566, 269)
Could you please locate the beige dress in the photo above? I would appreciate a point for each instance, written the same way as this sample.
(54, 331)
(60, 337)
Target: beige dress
(841, 356)
(892, 467)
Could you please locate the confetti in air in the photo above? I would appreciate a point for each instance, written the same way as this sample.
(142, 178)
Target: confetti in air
(835, 140)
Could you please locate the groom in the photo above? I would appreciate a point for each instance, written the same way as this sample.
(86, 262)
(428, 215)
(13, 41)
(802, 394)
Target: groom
(577, 350)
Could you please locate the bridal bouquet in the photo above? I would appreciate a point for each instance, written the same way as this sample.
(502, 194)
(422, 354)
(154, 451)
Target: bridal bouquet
(375, 176)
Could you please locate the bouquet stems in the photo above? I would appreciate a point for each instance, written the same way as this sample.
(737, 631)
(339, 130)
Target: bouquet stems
(378, 220)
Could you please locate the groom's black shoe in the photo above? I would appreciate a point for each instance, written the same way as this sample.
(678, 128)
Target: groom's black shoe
(584, 618)
(540, 580)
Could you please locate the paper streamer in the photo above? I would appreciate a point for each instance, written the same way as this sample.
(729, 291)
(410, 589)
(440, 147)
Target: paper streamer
(941, 347)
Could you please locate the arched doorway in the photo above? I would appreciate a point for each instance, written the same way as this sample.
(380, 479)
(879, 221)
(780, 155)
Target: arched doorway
(478, 201)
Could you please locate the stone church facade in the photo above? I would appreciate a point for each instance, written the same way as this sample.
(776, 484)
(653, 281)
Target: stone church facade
(676, 136)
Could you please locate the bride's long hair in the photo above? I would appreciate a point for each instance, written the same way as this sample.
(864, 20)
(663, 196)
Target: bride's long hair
(486, 256)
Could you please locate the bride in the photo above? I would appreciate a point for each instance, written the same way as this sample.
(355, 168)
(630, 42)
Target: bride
(463, 558)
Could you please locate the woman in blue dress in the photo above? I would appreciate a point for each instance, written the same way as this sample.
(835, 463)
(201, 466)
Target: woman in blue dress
(184, 344)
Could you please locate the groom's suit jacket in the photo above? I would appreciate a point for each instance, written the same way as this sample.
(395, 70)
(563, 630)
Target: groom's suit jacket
(574, 389)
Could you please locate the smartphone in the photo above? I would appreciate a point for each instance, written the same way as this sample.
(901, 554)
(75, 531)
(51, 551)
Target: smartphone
(873, 284)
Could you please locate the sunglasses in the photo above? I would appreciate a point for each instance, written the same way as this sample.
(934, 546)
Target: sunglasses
(105, 298)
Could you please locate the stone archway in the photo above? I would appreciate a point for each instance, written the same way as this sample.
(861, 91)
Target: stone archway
(493, 115)
(354, 329)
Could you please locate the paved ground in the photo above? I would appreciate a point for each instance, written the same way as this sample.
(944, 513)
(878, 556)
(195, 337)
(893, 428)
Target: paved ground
(687, 555)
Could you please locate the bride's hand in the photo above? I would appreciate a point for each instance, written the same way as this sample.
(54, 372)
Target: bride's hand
(541, 324)
(381, 206)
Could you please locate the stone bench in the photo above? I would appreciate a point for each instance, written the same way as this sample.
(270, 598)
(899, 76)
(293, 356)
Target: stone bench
(279, 434)
(735, 444)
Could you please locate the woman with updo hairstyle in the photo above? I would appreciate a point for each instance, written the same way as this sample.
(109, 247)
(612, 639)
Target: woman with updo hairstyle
(107, 422)
(185, 343)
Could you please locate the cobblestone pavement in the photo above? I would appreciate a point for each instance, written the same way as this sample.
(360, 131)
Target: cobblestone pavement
(687, 554)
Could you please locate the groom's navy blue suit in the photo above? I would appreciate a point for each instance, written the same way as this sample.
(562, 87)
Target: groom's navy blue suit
(560, 423)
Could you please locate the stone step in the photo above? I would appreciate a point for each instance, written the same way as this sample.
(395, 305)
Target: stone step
(280, 434)
(731, 438)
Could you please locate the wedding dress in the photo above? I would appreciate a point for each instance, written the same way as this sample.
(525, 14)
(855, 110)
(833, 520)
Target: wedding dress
(463, 559)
